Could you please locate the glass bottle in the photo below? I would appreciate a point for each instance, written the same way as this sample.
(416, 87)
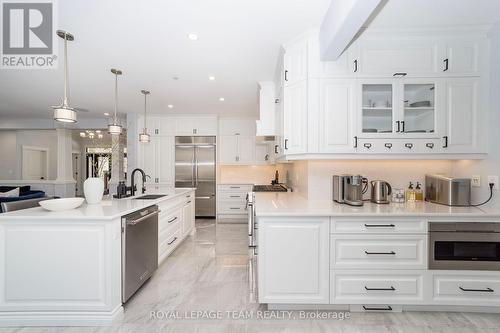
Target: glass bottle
(419, 194)
(410, 193)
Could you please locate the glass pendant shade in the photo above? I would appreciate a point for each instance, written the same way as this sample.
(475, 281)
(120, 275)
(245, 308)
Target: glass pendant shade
(65, 115)
(144, 137)
(114, 129)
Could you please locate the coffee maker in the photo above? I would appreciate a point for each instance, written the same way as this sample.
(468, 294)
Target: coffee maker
(349, 189)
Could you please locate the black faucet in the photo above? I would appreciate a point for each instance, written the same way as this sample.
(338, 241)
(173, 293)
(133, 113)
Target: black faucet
(133, 187)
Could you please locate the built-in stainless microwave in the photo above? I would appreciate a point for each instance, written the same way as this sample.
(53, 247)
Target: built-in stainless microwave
(464, 245)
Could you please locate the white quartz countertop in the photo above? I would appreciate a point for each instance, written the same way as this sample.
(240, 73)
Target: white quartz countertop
(107, 209)
(293, 204)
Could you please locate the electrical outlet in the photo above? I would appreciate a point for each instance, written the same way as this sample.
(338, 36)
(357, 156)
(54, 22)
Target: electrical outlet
(476, 181)
(494, 180)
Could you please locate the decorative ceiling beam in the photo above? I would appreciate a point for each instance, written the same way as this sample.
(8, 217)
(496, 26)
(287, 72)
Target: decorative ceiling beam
(343, 21)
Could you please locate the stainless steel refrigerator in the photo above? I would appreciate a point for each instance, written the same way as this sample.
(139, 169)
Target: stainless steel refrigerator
(195, 167)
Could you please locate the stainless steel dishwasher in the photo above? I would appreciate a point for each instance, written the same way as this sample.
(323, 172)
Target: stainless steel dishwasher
(139, 249)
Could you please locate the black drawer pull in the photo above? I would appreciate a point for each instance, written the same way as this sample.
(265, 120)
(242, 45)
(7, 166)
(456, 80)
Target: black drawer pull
(172, 220)
(385, 253)
(409, 145)
(429, 145)
(173, 240)
(381, 289)
(188, 202)
(388, 145)
(487, 290)
(380, 225)
(367, 145)
(234, 208)
(234, 187)
(445, 141)
(388, 308)
(400, 74)
(235, 196)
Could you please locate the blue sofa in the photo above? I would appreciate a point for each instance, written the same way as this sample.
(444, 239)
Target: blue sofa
(25, 193)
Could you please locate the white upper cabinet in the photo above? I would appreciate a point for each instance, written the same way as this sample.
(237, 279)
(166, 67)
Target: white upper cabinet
(465, 130)
(461, 57)
(266, 125)
(157, 159)
(295, 118)
(295, 62)
(409, 56)
(335, 116)
(236, 149)
(195, 125)
(237, 126)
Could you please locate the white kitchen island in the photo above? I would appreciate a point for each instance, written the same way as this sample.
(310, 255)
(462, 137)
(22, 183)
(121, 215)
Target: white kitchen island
(64, 268)
(320, 254)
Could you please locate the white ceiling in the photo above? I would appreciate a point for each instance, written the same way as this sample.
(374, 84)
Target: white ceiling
(436, 13)
(238, 44)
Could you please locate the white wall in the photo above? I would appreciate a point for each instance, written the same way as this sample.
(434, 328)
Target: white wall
(8, 160)
(313, 179)
(491, 165)
(37, 138)
(247, 174)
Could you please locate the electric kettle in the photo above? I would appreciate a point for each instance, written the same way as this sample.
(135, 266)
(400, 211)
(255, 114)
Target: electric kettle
(381, 190)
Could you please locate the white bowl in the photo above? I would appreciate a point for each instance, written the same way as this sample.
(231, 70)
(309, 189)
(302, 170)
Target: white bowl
(61, 204)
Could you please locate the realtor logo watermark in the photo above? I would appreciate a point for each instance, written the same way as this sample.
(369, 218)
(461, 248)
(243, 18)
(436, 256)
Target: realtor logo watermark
(28, 34)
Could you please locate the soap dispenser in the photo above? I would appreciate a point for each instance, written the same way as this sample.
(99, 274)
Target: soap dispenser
(410, 193)
(419, 194)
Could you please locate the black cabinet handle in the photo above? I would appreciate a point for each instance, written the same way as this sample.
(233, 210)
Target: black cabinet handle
(355, 142)
(172, 220)
(380, 225)
(286, 144)
(398, 123)
(487, 290)
(286, 75)
(367, 145)
(172, 242)
(234, 208)
(429, 145)
(409, 145)
(445, 65)
(385, 253)
(275, 149)
(381, 289)
(388, 145)
(188, 202)
(388, 308)
(445, 141)
(355, 66)
(403, 126)
(400, 74)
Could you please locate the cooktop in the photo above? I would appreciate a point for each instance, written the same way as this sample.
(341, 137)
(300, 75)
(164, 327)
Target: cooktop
(269, 188)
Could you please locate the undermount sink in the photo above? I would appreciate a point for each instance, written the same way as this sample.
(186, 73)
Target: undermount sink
(150, 197)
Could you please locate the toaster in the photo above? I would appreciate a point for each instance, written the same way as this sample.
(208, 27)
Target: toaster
(448, 190)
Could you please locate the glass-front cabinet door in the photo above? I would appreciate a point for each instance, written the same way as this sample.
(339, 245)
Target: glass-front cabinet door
(377, 109)
(419, 112)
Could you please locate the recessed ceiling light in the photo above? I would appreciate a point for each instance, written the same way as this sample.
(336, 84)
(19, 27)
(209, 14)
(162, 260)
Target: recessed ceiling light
(193, 36)
(170, 106)
(211, 78)
(106, 114)
(221, 99)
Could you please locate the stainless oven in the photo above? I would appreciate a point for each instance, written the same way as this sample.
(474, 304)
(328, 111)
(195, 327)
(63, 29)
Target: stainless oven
(252, 248)
(464, 245)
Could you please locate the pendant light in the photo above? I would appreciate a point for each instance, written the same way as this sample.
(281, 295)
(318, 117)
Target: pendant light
(144, 136)
(64, 113)
(115, 128)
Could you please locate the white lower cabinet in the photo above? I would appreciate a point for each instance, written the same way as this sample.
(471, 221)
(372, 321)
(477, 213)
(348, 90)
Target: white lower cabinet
(293, 260)
(466, 288)
(175, 222)
(381, 251)
(232, 201)
(376, 286)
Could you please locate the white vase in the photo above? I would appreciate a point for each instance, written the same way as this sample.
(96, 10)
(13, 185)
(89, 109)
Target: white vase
(93, 189)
